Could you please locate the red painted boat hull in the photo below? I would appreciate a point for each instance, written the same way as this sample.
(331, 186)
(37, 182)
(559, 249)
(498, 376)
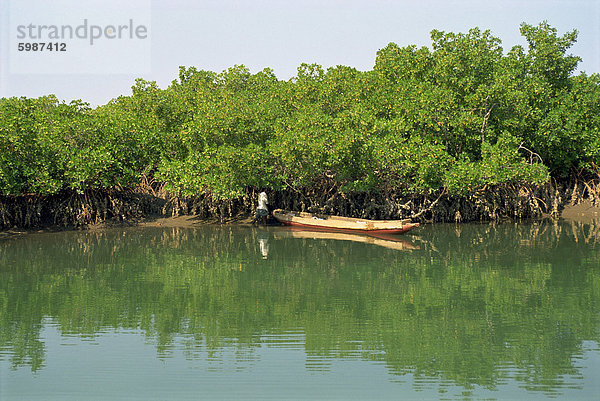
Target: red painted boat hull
(402, 230)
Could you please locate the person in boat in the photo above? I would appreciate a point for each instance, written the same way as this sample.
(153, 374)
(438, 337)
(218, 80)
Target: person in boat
(262, 211)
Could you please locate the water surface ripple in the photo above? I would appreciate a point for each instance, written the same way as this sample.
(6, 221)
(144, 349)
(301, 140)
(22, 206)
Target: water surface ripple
(477, 311)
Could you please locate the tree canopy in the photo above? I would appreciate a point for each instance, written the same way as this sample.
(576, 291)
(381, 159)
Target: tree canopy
(459, 115)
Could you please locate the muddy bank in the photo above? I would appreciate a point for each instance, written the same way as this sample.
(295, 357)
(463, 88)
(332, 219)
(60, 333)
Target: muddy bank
(99, 208)
(584, 212)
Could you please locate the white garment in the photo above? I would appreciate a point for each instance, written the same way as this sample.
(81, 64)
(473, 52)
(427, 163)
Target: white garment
(262, 201)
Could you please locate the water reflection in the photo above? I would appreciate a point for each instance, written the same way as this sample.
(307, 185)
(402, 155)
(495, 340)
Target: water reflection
(263, 242)
(396, 242)
(467, 305)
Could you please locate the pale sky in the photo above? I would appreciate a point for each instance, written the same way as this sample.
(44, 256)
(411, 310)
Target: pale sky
(279, 34)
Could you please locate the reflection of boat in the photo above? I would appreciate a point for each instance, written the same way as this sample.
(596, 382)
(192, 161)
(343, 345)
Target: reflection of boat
(387, 241)
(347, 224)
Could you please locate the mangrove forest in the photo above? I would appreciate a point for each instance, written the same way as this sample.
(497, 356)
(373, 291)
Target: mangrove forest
(463, 129)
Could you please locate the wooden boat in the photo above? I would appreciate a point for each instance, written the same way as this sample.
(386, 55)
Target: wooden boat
(348, 224)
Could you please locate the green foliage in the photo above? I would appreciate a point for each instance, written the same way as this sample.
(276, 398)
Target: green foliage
(414, 164)
(500, 163)
(459, 115)
(547, 58)
(224, 172)
(32, 159)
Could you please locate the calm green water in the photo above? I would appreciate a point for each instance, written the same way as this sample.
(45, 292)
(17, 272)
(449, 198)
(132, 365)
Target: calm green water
(456, 312)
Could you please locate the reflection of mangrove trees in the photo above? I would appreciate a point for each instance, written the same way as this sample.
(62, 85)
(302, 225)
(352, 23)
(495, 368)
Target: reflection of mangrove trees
(467, 304)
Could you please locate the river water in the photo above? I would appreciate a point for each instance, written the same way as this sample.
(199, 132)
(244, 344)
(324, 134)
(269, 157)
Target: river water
(474, 311)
